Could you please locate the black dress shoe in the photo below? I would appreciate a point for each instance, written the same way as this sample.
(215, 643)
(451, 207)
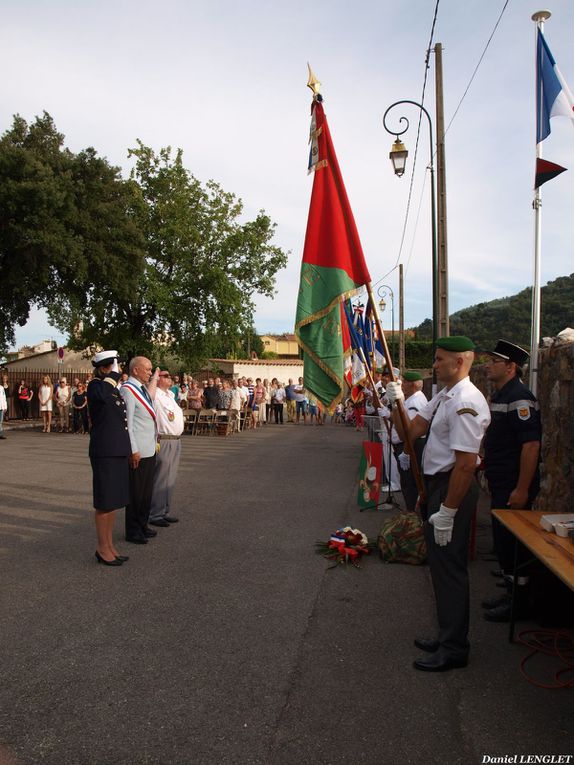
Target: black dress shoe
(501, 614)
(122, 558)
(137, 540)
(171, 519)
(439, 663)
(495, 602)
(427, 644)
(161, 522)
(114, 562)
(149, 533)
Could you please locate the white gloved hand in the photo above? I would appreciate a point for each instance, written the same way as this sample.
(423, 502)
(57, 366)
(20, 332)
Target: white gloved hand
(443, 521)
(384, 411)
(115, 367)
(394, 392)
(404, 460)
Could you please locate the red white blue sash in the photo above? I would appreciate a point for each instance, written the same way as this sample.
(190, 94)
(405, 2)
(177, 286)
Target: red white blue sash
(138, 394)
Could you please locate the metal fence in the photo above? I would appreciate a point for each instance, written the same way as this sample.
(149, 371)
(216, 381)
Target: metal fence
(33, 378)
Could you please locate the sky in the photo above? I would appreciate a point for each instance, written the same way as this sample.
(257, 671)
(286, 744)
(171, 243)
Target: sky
(226, 82)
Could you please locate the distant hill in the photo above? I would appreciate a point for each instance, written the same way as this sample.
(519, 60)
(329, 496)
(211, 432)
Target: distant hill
(509, 317)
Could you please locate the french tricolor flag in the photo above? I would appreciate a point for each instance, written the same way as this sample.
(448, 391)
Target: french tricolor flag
(553, 98)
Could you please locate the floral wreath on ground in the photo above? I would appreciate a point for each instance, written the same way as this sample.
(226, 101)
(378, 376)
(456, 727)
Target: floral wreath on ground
(346, 545)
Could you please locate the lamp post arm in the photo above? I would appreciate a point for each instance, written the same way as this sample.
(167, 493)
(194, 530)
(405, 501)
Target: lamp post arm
(435, 296)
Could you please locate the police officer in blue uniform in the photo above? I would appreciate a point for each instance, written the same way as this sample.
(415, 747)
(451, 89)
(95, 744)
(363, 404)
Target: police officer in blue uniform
(511, 457)
(109, 452)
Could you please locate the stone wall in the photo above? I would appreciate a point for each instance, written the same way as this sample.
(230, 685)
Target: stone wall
(556, 396)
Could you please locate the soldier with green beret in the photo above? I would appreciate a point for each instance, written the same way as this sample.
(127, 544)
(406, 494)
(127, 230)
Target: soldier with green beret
(455, 344)
(412, 376)
(415, 399)
(454, 421)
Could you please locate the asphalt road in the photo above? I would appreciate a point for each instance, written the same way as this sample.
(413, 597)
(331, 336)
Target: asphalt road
(226, 639)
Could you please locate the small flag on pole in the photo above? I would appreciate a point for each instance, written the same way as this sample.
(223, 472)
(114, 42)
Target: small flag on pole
(546, 171)
(553, 99)
(553, 96)
(333, 266)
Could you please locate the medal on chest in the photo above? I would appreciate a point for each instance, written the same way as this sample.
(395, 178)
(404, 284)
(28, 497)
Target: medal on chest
(170, 415)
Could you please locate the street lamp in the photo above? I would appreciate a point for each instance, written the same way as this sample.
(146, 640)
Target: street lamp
(398, 156)
(383, 291)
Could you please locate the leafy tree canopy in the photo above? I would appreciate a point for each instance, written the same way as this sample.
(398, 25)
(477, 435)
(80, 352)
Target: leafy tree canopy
(66, 222)
(156, 264)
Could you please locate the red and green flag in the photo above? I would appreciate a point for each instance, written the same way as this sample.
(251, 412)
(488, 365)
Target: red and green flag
(333, 268)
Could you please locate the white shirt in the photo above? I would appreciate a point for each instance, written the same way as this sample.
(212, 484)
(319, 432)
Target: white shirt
(414, 403)
(280, 395)
(299, 393)
(237, 398)
(170, 419)
(63, 394)
(461, 417)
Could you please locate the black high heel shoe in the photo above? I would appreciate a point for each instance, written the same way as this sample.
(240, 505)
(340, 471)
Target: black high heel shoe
(122, 558)
(114, 562)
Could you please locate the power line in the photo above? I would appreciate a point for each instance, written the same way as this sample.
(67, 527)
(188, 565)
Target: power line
(445, 132)
(427, 65)
(477, 66)
(416, 224)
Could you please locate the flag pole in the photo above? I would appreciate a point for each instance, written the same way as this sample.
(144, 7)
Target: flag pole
(409, 446)
(539, 18)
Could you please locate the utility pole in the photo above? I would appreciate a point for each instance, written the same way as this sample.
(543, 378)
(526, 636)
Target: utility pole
(442, 255)
(402, 361)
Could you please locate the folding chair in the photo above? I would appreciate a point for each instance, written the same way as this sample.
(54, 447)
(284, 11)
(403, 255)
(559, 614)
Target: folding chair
(191, 421)
(205, 422)
(222, 423)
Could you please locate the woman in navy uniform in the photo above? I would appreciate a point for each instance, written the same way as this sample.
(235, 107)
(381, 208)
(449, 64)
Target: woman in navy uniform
(109, 451)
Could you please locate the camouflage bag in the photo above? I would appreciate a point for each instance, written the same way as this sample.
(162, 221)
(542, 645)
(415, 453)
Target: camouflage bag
(401, 540)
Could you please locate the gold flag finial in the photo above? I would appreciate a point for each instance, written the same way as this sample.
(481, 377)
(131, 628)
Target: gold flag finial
(313, 82)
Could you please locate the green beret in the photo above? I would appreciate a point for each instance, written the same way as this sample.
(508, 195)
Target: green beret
(412, 376)
(455, 344)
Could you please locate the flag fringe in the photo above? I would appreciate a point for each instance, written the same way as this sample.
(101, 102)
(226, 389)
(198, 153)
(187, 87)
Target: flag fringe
(319, 166)
(329, 372)
(324, 311)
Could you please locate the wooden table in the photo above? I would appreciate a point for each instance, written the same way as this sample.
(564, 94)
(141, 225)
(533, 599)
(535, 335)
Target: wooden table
(556, 553)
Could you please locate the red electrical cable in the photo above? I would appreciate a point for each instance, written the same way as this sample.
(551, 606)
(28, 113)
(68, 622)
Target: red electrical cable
(556, 643)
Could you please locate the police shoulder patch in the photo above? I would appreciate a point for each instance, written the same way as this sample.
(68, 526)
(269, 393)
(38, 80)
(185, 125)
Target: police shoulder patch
(524, 413)
(467, 410)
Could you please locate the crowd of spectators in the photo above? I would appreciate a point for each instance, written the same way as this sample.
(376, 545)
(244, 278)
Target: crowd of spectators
(259, 400)
(62, 404)
(68, 402)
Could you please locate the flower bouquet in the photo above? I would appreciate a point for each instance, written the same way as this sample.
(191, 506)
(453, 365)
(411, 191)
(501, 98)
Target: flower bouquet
(346, 545)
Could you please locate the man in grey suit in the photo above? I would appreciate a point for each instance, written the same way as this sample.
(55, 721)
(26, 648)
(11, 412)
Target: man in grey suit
(138, 394)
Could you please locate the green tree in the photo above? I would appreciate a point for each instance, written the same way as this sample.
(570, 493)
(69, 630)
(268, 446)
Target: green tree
(36, 205)
(202, 266)
(66, 224)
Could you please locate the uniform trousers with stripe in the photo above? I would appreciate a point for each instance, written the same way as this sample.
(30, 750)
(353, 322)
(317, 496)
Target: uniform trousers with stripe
(166, 467)
(141, 485)
(449, 567)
